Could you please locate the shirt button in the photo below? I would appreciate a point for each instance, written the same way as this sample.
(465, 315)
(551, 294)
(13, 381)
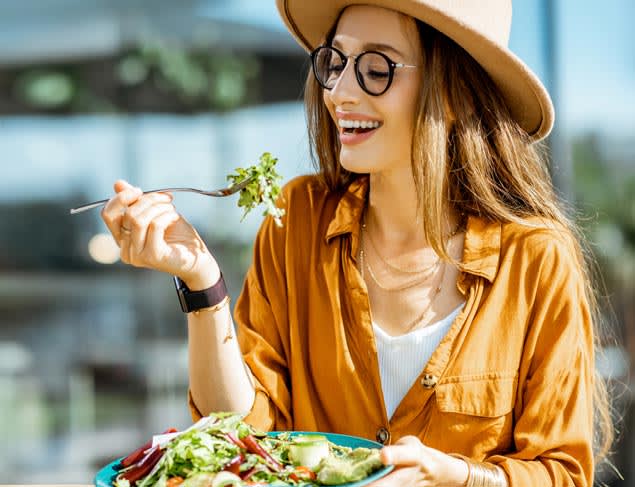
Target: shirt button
(383, 436)
(429, 381)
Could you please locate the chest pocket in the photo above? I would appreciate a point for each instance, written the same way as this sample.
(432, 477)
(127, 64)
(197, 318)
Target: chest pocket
(472, 414)
(487, 395)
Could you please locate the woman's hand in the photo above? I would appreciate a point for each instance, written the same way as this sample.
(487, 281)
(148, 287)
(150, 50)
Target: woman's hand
(150, 233)
(421, 466)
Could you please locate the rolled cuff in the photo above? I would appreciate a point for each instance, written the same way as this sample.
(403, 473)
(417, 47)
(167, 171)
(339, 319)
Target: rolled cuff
(261, 416)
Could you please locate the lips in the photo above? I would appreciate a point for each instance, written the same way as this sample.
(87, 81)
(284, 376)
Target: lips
(356, 135)
(355, 128)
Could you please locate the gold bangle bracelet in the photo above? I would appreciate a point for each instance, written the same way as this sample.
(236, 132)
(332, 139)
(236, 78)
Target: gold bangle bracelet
(229, 332)
(482, 474)
(216, 307)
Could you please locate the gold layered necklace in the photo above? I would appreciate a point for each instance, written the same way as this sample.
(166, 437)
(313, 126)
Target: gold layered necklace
(420, 277)
(433, 294)
(427, 269)
(423, 275)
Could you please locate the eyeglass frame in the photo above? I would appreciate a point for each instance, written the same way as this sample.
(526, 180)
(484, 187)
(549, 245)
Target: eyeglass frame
(392, 66)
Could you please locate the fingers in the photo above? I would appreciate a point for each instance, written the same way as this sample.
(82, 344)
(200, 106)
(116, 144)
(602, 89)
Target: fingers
(128, 215)
(408, 451)
(406, 455)
(155, 238)
(121, 185)
(418, 464)
(134, 243)
(150, 233)
(142, 220)
(114, 210)
(124, 245)
(141, 214)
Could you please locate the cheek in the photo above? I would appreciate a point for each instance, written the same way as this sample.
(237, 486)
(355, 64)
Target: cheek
(401, 116)
(326, 99)
(405, 109)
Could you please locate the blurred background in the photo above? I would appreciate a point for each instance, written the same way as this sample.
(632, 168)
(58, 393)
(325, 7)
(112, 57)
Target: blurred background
(93, 354)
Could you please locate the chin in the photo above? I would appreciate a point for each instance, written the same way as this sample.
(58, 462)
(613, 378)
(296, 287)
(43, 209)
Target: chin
(358, 163)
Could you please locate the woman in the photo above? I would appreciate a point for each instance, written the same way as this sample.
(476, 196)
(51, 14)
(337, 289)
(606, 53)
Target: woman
(426, 289)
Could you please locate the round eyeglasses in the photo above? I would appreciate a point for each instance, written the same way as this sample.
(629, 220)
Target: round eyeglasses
(374, 70)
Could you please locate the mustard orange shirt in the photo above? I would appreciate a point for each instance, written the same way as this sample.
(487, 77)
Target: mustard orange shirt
(511, 382)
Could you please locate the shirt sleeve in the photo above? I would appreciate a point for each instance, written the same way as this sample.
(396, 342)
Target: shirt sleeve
(261, 318)
(264, 351)
(261, 312)
(553, 431)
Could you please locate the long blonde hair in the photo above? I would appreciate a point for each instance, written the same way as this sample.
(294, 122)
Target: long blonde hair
(469, 154)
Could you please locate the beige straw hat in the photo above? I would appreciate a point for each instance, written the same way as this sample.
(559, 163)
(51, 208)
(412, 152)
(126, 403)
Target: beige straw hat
(481, 27)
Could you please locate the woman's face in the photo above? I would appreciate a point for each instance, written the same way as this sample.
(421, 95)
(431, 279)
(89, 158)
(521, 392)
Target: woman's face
(387, 147)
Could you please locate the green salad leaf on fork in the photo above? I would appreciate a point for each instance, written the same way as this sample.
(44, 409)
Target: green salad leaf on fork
(263, 189)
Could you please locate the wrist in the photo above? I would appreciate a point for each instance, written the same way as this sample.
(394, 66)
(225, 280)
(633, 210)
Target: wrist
(206, 273)
(460, 472)
(210, 299)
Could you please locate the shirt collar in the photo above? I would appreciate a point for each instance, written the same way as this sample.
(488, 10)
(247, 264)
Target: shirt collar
(348, 213)
(481, 248)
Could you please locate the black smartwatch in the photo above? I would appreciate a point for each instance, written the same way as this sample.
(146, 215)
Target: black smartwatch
(206, 298)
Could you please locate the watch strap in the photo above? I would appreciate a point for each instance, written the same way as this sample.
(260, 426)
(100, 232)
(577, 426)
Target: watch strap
(205, 298)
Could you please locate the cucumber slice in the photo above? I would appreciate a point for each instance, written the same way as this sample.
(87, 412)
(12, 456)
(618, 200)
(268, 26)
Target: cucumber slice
(309, 450)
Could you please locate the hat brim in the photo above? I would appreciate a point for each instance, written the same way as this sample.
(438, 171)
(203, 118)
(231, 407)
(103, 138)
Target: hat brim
(524, 94)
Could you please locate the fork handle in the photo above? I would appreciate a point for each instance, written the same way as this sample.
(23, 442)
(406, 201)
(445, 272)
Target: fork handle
(89, 206)
(95, 204)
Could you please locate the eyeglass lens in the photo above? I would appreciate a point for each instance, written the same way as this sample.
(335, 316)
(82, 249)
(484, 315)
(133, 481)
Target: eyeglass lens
(373, 70)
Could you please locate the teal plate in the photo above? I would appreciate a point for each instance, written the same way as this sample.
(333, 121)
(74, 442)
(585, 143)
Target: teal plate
(106, 475)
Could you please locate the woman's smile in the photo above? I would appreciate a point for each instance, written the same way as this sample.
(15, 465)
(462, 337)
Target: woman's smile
(355, 128)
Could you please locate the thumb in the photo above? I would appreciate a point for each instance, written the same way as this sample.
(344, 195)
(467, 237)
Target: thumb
(121, 185)
(407, 451)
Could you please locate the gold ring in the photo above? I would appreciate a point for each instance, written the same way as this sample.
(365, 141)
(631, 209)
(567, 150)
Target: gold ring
(125, 229)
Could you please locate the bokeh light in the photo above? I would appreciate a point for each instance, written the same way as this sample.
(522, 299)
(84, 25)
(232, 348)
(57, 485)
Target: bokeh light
(103, 248)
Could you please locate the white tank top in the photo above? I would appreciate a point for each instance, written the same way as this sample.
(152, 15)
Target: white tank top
(402, 358)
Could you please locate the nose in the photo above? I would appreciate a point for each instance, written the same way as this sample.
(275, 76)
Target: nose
(346, 89)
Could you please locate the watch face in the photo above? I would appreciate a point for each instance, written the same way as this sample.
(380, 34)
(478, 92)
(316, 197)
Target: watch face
(180, 288)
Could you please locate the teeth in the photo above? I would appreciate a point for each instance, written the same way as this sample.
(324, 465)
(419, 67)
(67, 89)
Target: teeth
(355, 124)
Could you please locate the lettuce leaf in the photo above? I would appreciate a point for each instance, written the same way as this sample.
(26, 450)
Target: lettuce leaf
(263, 189)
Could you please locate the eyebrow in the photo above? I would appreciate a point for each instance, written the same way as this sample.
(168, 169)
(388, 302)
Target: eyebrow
(374, 46)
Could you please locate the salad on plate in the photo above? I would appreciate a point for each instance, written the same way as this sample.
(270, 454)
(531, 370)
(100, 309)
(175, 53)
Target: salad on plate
(222, 450)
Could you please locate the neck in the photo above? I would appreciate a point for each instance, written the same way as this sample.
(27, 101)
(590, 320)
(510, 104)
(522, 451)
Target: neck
(392, 205)
(392, 211)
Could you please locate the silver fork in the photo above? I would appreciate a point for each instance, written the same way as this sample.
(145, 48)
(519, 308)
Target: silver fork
(229, 190)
